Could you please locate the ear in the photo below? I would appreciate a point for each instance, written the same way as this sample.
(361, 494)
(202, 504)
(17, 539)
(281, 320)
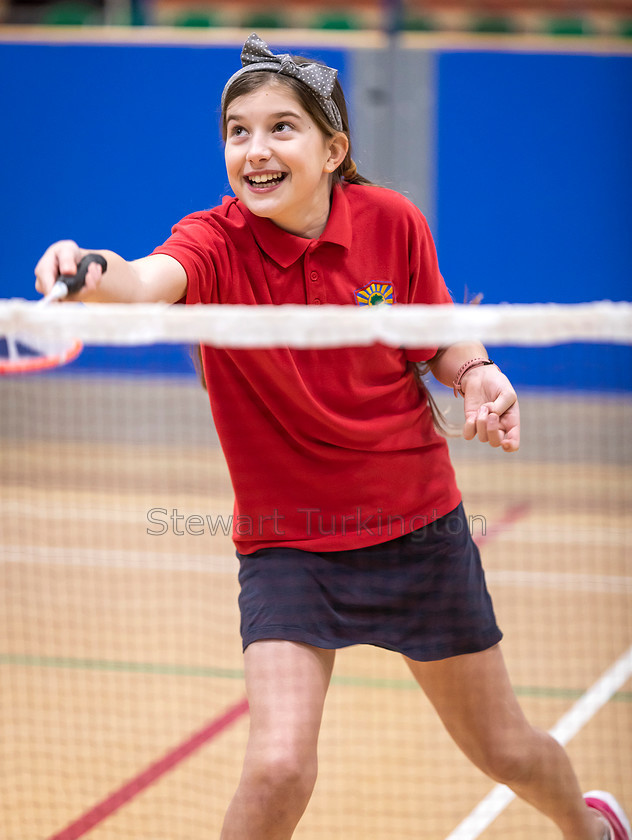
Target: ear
(338, 148)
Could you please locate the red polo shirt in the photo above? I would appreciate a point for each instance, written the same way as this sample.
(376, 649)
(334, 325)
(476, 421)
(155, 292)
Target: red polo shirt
(327, 449)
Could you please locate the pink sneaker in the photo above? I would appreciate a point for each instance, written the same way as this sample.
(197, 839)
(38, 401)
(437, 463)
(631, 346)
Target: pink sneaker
(612, 812)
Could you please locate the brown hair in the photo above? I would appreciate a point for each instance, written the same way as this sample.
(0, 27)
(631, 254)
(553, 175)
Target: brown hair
(440, 421)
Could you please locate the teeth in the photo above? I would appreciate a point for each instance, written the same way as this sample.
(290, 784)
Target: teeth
(263, 179)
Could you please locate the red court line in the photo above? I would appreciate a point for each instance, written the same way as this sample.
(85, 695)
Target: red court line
(509, 518)
(151, 774)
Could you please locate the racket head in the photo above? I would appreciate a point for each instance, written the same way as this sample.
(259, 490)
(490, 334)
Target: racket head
(19, 356)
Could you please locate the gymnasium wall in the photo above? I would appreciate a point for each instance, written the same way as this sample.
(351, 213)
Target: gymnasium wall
(534, 193)
(520, 159)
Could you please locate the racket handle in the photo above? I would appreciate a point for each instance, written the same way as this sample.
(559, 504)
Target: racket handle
(69, 284)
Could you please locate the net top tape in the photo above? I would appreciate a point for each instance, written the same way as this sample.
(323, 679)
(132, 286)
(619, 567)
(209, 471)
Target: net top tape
(239, 326)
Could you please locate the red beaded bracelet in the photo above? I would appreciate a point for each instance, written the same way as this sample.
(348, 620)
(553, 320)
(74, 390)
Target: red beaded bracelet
(464, 369)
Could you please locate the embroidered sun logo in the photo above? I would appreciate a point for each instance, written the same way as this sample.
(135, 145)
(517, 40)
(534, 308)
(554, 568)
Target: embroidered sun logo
(375, 294)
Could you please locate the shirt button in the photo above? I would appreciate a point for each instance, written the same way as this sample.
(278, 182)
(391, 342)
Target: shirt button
(316, 301)
(314, 275)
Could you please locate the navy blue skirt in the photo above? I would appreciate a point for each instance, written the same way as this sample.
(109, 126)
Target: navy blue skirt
(422, 594)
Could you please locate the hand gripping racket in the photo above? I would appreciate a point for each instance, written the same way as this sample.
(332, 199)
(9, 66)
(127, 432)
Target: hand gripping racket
(69, 284)
(30, 353)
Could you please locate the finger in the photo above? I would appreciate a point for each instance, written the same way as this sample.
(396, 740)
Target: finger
(46, 272)
(93, 276)
(40, 282)
(503, 402)
(469, 427)
(481, 423)
(495, 434)
(60, 258)
(511, 441)
(69, 257)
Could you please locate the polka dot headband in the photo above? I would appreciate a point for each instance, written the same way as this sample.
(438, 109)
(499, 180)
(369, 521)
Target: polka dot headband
(319, 78)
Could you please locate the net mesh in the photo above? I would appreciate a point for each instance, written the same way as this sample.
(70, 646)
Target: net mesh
(122, 691)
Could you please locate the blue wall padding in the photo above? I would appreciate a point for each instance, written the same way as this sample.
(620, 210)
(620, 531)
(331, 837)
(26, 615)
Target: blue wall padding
(534, 169)
(112, 144)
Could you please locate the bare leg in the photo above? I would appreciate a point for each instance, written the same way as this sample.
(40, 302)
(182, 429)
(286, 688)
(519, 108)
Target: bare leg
(474, 698)
(286, 684)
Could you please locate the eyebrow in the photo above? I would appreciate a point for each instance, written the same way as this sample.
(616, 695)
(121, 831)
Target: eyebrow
(279, 116)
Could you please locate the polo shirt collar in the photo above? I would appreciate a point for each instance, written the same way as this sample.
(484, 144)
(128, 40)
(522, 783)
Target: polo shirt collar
(286, 248)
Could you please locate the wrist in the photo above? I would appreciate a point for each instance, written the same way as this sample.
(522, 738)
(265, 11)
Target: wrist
(465, 368)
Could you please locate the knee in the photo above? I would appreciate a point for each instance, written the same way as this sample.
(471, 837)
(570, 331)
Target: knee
(505, 766)
(283, 772)
(510, 761)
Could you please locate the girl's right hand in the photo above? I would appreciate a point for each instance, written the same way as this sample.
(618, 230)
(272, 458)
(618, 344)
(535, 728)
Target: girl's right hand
(62, 258)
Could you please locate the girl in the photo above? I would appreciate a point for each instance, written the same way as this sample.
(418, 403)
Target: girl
(350, 525)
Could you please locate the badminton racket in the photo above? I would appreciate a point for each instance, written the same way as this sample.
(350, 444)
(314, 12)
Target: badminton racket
(22, 353)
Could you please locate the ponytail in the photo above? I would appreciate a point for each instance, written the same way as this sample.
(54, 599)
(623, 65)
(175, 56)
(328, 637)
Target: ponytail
(349, 171)
(419, 371)
(196, 357)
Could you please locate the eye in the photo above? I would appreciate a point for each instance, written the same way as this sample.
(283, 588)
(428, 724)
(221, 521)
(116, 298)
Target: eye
(236, 130)
(283, 127)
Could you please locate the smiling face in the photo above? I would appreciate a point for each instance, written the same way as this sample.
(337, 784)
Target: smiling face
(279, 162)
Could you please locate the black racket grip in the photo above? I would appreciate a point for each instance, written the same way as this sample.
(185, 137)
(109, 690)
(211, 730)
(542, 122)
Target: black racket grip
(75, 282)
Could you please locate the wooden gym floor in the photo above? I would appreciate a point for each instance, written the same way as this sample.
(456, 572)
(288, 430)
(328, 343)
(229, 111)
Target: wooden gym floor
(122, 696)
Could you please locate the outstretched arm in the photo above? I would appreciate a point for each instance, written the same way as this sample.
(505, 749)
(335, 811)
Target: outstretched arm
(491, 405)
(150, 279)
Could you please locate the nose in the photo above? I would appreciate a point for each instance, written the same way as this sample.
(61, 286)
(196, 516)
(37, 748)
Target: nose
(259, 147)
